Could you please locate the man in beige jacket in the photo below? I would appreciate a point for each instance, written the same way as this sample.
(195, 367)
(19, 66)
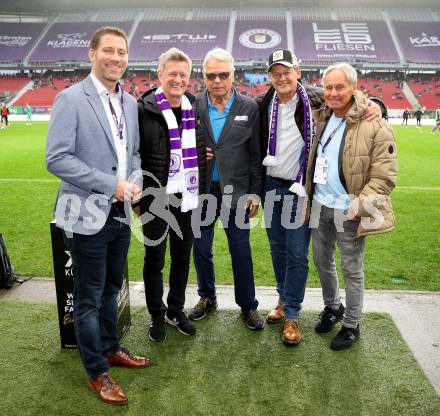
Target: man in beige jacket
(352, 170)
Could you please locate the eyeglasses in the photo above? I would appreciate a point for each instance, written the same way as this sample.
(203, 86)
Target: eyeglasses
(278, 75)
(211, 76)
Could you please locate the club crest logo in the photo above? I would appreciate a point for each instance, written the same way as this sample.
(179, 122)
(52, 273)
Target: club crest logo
(192, 181)
(175, 161)
(277, 55)
(260, 38)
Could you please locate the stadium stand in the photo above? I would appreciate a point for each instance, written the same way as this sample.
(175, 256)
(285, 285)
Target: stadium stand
(359, 14)
(426, 89)
(419, 41)
(12, 84)
(16, 40)
(258, 13)
(116, 15)
(411, 15)
(46, 90)
(386, 89)
(310, 13)
(373, 39)
(68, 41)
(76, 17)
(166, 14)
(211, 14)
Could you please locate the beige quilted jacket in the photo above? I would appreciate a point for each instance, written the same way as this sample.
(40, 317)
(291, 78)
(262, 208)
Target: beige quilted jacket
(368, 166)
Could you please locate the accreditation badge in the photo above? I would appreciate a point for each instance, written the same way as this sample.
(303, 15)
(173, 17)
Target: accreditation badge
(321, 170)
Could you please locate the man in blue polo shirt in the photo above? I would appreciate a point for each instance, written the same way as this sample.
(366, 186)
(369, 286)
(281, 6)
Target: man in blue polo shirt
(231, 123)
(218, 120)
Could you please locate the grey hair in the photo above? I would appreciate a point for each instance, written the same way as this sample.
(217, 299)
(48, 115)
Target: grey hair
(220, 55)
(348, 70)
(173, 54)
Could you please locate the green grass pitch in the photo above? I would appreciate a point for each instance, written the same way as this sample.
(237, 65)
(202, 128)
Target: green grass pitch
(224, 370)
(407, 258)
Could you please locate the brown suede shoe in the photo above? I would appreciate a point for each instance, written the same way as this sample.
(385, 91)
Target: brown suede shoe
(275, 315)
(123, 358)
(291, 333)
(107, 389)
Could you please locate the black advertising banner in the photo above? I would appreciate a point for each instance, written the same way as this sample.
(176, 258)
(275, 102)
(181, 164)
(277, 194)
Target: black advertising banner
(64, 276)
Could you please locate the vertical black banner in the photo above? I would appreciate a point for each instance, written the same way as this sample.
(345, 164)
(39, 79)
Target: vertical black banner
(64, 275)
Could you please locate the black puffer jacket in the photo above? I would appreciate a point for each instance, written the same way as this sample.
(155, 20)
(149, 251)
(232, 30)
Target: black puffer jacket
(155, 142)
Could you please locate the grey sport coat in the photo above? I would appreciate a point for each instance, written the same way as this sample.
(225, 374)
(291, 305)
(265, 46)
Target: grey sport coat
(80, 150)
(237, 151)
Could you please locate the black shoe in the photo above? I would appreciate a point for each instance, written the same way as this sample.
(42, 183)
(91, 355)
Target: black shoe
(157, 331)
(329, 318)
(345, 338)
(201, 309)
(182, 323)
(252, 319)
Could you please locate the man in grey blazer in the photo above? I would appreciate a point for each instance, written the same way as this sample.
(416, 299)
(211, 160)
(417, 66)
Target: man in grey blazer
(230, 122)
(92, 146)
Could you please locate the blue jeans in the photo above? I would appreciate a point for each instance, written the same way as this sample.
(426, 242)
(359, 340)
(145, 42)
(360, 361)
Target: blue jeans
(289, 240)
(240, 251)
(99, 261)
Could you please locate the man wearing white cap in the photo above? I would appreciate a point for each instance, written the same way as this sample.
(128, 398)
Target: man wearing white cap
(286, 134)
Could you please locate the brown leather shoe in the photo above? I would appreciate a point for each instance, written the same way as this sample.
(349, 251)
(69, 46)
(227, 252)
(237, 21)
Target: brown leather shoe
(123, 358)
(291, 333)
(107, 389)
(275, 315)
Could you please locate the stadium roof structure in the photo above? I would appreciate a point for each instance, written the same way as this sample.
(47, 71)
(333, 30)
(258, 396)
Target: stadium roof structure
(77, 6)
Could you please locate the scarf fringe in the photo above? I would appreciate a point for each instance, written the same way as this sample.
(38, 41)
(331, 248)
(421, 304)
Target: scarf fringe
(298, 189)
(270, 160)
(189, 202)
(175, 187)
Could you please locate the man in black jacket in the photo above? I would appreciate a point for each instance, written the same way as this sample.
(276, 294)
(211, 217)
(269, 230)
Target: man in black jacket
(418, 115)
(405, 117)
(173, 157)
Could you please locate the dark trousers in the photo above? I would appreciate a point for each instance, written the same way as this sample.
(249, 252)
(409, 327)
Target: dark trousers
(157, 231)
(99, 261)
(5, 120)
(239, 249)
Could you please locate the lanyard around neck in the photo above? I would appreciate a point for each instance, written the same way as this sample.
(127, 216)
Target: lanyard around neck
(119, 124)
(332, 134)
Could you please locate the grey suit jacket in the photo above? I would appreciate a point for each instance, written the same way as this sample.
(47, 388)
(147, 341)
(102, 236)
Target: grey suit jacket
(80, 150)
(237, 151)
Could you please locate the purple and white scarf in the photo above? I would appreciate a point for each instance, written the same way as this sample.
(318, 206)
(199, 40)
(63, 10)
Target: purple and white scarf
(183, 174)
(271, 160)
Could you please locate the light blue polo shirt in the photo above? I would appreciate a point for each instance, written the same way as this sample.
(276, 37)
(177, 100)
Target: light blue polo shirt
(218, 121)
(333, 193)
